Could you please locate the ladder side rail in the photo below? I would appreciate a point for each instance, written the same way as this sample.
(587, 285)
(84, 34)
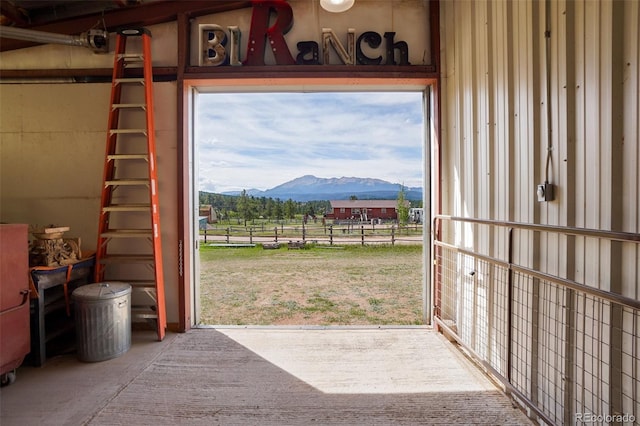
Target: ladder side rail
(107, 191)
(153, 187)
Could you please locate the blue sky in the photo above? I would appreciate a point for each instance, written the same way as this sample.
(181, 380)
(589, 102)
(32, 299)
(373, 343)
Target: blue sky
(261, 140)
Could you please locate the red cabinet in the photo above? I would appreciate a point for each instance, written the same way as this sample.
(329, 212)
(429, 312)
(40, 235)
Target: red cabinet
(14, 298)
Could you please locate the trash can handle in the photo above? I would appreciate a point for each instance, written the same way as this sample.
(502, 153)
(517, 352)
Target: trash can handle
(103, 286)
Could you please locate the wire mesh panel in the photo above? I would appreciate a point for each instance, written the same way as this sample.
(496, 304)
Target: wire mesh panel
(551, 349)
(474, 303)
(570, 353)
(630, 362)
(522, 337)
(448, 266)
(499, 350)
(592, 360)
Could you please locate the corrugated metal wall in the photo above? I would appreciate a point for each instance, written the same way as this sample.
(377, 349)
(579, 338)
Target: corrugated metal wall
(521, 105)
(496, 133)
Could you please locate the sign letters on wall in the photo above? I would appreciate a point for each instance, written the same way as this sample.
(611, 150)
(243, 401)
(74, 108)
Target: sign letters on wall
(271, 20)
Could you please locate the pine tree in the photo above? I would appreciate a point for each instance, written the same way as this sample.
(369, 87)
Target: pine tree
(401, 208)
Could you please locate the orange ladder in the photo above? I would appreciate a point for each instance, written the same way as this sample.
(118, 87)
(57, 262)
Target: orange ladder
(129, 209)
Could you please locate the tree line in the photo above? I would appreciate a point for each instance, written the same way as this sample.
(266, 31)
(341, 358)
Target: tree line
(249, 207)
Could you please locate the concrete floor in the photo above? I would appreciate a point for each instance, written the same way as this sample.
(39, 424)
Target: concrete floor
(258, 376)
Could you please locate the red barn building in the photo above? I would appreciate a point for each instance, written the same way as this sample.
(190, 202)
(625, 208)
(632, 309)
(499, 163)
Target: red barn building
(364, 210)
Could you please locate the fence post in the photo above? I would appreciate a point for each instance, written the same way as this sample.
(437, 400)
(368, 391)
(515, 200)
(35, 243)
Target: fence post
(330, 235)
(228, 232)
(362, 233)
(303, 232)
(205, 235)
(509, 303)
(251, 235)
(393, 235)
(275, 231)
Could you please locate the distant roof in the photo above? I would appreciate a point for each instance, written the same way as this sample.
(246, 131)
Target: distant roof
(369, 204)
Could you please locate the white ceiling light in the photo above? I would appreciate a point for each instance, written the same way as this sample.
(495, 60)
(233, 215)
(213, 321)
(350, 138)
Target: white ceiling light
(336, 6)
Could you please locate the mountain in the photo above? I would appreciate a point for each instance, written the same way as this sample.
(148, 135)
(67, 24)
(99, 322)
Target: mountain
(312, 188)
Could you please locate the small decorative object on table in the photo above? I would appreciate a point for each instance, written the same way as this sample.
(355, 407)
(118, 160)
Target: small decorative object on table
(49, 248)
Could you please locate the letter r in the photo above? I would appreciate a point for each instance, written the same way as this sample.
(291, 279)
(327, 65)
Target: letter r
(260, 31)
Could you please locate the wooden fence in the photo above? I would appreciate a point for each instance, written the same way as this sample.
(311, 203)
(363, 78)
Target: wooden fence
(340, 234)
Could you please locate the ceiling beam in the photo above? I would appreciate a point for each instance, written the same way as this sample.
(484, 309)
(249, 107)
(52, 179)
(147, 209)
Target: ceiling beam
(139, 15)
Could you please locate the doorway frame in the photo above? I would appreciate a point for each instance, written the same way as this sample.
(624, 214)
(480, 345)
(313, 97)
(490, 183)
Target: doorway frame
(188, 76)
(189, 242)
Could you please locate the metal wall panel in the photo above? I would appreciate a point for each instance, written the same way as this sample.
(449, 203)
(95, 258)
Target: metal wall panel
(496, 133)
(520, 106)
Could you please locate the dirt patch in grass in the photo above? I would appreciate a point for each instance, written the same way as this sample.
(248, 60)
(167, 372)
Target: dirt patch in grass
(356, 285)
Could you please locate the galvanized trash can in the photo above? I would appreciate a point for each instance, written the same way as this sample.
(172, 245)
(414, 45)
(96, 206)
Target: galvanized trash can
(103, 320)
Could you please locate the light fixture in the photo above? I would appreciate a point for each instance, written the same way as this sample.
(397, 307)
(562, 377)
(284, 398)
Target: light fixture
(336, 6)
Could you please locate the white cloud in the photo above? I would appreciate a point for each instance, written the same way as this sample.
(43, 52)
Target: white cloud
(262, 140)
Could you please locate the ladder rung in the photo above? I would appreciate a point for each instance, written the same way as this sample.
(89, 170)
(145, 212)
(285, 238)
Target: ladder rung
(127, 258)
(128, 131)
(127, 208)
(142, 284)
(115, 106)
(148, 291)
(130, 182)
(139, 56)
(146, 286)
(128, 157)
(128, 80)
(127, 233)
(143, 312)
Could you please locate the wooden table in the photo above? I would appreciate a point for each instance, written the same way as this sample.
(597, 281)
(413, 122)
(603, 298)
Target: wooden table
(52, 322)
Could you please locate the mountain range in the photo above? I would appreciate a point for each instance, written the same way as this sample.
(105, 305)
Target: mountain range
(312, 188)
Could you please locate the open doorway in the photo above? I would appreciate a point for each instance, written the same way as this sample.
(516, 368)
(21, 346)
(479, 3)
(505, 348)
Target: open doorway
(259, 148)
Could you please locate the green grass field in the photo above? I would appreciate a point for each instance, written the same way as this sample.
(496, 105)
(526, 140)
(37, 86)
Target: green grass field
(322, 285)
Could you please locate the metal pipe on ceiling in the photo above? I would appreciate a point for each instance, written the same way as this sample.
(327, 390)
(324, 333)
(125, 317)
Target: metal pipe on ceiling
(95, 39)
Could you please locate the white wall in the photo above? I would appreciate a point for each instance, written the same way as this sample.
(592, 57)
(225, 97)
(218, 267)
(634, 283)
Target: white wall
(494, 128)
(52, 157)
(52, 154)
(494, 145)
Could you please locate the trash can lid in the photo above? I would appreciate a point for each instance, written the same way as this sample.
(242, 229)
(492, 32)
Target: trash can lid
(100, 291)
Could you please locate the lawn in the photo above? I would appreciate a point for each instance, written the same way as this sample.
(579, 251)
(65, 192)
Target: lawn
(350, 285)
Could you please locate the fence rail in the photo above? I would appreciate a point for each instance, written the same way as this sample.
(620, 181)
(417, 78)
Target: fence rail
(347, 233)
(567, 350)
